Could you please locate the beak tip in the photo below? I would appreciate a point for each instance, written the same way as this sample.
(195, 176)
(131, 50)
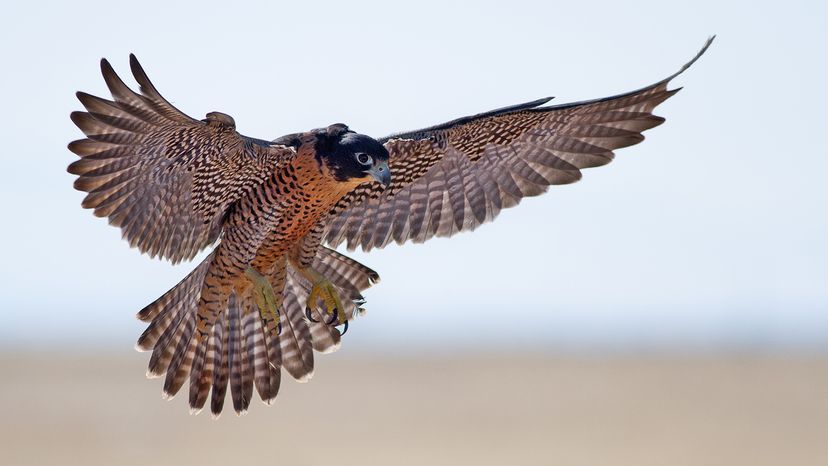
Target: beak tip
(381, 174)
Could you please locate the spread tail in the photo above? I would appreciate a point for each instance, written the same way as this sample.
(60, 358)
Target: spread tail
(241, 352)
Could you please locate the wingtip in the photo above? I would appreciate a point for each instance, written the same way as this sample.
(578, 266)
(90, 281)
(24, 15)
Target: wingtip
(106, 67)
(75, 147)
(687, 65)
(141, 77)
(706, 45)
(701, 52)
(134, 65)
(77, 117)
(71, 168)
(133, 62)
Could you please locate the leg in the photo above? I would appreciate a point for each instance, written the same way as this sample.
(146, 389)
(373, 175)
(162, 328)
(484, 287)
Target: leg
(267, 300)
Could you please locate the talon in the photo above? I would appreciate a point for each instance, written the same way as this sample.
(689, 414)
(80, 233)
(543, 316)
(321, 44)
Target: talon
(323, 290)
(334, 316)
(323, 295)
(279, 328)
(344, 329)
(309, 316)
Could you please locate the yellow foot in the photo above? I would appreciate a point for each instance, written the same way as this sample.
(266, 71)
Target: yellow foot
(323, 289)
(266, 299)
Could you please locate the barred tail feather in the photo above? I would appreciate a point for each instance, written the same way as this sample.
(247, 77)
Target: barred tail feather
(343, 271)
(266, 373)
(171, 305)
(274, 358)
(201, 376)
(248, 363)
(162, 351)
(244, 350)
(235, 357)
(182, 358)
(297, 343)
(222, 370)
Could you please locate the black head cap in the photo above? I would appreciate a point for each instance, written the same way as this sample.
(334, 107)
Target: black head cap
(352, 156)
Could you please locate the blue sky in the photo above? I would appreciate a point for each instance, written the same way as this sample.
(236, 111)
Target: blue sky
(711, 233)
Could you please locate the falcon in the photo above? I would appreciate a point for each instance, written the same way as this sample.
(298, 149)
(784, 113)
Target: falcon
(273, 289)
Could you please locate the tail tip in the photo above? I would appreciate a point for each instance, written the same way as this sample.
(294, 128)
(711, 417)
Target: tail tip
(332, 349)
(305, 378)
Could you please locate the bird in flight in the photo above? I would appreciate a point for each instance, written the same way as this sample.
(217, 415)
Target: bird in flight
(273, 290)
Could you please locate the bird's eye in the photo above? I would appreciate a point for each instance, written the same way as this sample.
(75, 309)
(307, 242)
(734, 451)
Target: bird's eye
(364, 158)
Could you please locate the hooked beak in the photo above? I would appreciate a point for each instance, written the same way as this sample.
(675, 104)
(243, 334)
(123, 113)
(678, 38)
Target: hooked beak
(381, 173)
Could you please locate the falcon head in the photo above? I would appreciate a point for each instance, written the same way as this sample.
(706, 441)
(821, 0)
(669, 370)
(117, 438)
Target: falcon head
(352, 157)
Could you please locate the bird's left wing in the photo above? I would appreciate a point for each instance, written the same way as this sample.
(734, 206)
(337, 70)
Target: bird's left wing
(164, 178)
(456, 176)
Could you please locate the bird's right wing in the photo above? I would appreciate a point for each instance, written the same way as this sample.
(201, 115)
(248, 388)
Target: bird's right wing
(163, 177)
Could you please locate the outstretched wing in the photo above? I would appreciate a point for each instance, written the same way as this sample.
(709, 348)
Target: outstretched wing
(456, 176)
(163, 177)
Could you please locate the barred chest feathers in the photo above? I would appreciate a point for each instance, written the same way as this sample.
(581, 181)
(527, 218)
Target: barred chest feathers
(291, 202)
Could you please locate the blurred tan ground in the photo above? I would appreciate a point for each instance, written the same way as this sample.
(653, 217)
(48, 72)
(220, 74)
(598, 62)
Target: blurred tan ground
(564, 410)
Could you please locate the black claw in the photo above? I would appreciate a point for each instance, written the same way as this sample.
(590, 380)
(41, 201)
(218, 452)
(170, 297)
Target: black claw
(334, 316)
(279, 328)
(344, 329)
(309, 316)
